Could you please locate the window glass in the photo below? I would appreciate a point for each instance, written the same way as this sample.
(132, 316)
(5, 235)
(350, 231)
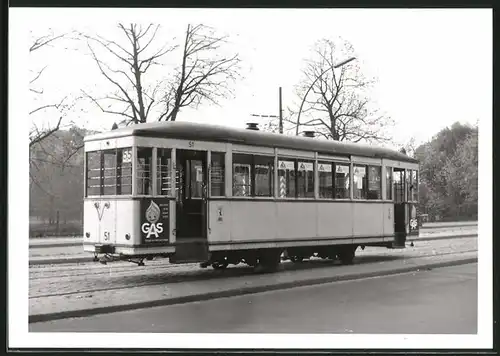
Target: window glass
(408, 184)
(360, 186)
(374, 182)
(109, 170)
(305, 179)
(325, 176)
(242, 173)
(264, 176)
(143, 174)
(388, 183)
(398, 182)
(342, 177)
(124, 171)
(286, 179)
(415, 185)
(217, 172)
(163, 171)
(94, 173)
(195, 176)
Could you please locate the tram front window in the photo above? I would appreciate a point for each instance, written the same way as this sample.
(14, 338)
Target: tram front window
(109, 172)
(144, 157)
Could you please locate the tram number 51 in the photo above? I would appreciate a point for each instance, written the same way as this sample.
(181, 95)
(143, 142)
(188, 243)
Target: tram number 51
(191, 143)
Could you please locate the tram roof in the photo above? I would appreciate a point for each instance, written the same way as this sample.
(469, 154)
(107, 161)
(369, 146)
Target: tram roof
(206, 132)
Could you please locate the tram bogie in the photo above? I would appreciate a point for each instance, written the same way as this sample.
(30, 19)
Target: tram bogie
(219, 196)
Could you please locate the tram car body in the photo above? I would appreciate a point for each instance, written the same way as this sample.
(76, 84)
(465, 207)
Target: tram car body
(219, 195)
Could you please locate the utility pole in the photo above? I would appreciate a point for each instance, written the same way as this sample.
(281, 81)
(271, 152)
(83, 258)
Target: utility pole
(280, 116)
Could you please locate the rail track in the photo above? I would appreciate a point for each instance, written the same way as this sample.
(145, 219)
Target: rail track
(93, 278)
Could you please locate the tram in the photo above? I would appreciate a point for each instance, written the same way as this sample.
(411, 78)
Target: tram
(218, 196)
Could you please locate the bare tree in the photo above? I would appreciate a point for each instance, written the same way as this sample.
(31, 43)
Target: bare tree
(336, 105)
(409, 147)
(204, 74)
(133, 99)
(40, 132)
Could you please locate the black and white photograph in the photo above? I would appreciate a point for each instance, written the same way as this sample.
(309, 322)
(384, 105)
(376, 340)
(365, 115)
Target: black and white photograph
(230, 178)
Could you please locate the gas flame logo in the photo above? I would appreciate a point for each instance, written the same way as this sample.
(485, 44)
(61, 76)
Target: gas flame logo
(413, 212)
(153, 213)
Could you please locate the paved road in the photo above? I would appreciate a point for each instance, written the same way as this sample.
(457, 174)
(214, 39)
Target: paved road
(442, 300)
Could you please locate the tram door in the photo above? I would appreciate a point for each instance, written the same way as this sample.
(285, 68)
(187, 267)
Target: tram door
(399, 207)
(191, 206)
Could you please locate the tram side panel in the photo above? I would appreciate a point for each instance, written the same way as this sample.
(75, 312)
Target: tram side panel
(388, 210)
(296, 220)
(250, 221)
(334, 219)
(368, 222)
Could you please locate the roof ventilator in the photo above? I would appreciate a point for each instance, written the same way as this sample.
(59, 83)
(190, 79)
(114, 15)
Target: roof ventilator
(309, 134)
(252, 126)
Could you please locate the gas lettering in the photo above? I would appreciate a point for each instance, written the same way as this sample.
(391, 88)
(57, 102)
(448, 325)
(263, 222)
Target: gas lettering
(152, 229)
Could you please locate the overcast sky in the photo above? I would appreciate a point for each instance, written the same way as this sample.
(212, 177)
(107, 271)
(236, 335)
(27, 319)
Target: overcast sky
(433, 67)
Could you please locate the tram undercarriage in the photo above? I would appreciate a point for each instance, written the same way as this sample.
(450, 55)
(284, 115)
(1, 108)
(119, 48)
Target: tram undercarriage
(262, 260)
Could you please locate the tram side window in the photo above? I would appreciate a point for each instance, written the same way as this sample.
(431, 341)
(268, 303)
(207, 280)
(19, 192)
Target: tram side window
(415, 185)
(217, 172)
(408, 185)
(325, 177)
(124, 171)
(242, 173)
(388, 182)
(342, 181)
(286, 179)
(360, 186)
(398, 182)
(93, 173)
(374, 182)
(305, 179)
(264, 176)
(163, 171)
(144, 157)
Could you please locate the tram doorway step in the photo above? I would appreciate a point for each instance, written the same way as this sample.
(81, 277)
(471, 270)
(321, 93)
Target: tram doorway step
(190, 252)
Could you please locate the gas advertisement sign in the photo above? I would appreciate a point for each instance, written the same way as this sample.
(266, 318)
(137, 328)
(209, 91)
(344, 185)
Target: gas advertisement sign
(413, 219)
(155, 216)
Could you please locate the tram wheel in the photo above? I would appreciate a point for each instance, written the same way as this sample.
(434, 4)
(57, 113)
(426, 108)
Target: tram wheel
(270, 260)
(219, 265)
(346, 255)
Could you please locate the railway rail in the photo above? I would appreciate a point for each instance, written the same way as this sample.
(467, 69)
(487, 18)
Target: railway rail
(67, 280)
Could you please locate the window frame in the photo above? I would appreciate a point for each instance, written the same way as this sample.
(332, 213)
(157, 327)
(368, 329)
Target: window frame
(348, 190)
(332, 175)
(157, 187)
(117, 169)
(223, 164)
(270, 167)
(151, 177)
(364, 187)
(389, 187)
(251, 160)
(380, 197)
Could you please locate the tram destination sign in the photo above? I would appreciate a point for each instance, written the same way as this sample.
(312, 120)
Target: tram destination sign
(155, 220)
